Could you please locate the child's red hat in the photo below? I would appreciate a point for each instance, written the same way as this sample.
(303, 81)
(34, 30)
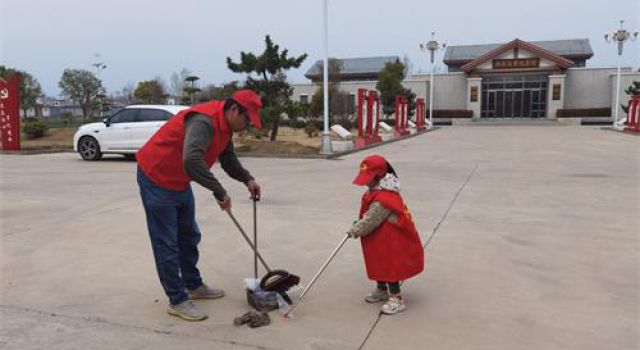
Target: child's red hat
(370, 167)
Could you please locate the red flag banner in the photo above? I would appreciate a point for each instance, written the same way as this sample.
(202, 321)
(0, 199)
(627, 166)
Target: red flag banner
(10, 113)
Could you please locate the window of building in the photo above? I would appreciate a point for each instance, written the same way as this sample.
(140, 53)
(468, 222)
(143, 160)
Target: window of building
(304, 98)
(557, 91)
(474, 94)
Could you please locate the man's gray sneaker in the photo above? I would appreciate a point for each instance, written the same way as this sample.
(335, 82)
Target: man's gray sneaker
(205, 292)
(187, 310)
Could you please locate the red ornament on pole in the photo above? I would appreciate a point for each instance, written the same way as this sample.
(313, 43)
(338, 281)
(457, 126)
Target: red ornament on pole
(633, 115)
(402, 119)
(420, 115)
(10, 113)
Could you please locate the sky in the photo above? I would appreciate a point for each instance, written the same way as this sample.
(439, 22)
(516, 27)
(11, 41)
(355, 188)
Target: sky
(143, 39)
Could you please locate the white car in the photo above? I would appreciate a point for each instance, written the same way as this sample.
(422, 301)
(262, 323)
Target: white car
(125, 132)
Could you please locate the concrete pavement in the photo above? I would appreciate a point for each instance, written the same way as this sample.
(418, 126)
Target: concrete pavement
(538, 251)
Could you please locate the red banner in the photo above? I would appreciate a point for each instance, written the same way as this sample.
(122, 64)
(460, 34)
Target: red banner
(10, 113)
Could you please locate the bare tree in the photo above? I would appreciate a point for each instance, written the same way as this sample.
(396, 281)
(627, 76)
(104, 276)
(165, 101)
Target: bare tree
(177, 82)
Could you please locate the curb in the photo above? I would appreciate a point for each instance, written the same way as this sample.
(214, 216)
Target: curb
(333, 155)
(255, 155)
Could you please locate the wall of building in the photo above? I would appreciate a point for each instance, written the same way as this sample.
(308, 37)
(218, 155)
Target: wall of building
(583, 88)
(449, 93)
(450, 89)
(588, 87)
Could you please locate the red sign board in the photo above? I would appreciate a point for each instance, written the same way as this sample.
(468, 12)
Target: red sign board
(516, 63)
(10, 113)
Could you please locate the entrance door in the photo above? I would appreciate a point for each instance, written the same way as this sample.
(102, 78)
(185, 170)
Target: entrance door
(514, 96)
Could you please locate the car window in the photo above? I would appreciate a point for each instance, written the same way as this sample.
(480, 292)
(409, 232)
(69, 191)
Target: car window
(124, 116)
(153, 115)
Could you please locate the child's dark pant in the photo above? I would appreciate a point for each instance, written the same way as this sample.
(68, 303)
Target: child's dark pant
(393, 287)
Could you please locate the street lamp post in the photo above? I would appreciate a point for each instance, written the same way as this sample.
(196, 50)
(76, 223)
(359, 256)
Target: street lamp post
(432, 46)
(620, 37)
(326, 137)
(99, 66)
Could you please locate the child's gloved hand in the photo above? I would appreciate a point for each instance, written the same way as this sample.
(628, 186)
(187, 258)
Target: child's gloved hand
(353, 234)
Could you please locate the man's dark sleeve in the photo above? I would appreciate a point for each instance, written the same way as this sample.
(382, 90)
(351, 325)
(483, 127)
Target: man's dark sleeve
(231, 165)
(198, 136)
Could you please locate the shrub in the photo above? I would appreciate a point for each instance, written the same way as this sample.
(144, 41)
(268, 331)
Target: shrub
(298, 123)
(347, 124)
(34, 129)
(311, 129)
(451, 113)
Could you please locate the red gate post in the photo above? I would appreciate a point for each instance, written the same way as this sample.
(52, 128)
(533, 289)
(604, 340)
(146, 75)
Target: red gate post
(420, 115)
(10, 113)
(633, 115)
(398, 123)
(369, 130)
(423, 116)
(361, 139)
(405, 109)
(361, 100)
(402, 122)
(373, 113)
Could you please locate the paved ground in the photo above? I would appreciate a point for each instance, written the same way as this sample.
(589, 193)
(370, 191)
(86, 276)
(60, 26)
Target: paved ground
(538, 251)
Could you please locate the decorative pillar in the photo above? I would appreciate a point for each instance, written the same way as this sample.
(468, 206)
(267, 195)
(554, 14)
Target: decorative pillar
(555, 95)
(474, 96)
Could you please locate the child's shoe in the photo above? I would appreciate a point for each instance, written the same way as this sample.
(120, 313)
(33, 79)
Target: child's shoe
(376, 296)
(393, 306)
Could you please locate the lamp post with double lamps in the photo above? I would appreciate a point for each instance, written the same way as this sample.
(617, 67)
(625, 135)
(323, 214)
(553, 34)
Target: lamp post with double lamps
(99, 66)
(432, 46)
(620, 36)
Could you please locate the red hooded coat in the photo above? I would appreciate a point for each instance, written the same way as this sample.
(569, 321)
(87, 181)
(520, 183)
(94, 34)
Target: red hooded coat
(393, 251)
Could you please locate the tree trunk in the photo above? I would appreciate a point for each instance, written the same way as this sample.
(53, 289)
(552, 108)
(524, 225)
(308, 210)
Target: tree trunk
(274, 128)
(85, 112)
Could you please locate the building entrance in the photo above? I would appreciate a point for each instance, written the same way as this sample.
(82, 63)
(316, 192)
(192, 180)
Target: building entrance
(523, 96)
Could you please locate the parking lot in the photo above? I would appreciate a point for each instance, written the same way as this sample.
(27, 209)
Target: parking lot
(538, 248)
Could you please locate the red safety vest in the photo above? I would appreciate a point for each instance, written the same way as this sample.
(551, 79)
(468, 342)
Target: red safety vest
(161, 157)
(392, 252)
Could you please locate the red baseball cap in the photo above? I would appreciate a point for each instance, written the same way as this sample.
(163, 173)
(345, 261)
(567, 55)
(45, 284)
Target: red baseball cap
(250, 100)
(370, 167)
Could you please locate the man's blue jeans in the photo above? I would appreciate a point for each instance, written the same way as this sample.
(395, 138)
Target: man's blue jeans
(174, 237)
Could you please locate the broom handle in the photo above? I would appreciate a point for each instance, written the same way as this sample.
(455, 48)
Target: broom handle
(246, 238)
(255, 237)
(313, 280)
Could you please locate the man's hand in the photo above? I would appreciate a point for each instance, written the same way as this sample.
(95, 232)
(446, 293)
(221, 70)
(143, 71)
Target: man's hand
(225, 203)
(254, 189)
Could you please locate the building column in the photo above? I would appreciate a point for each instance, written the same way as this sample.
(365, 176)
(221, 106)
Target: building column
(555, 95)
(474, 96)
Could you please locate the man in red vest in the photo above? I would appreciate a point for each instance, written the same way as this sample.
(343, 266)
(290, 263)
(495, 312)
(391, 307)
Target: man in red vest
(183, 150)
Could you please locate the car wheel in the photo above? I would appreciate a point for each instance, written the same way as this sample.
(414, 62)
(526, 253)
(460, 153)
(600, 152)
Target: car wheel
(89, 148)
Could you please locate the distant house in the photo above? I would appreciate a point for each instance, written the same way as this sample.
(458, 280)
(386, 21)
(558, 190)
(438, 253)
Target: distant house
(353, 69)
(56, 107)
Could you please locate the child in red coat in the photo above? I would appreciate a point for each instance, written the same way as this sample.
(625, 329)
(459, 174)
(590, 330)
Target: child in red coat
(390, 242)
